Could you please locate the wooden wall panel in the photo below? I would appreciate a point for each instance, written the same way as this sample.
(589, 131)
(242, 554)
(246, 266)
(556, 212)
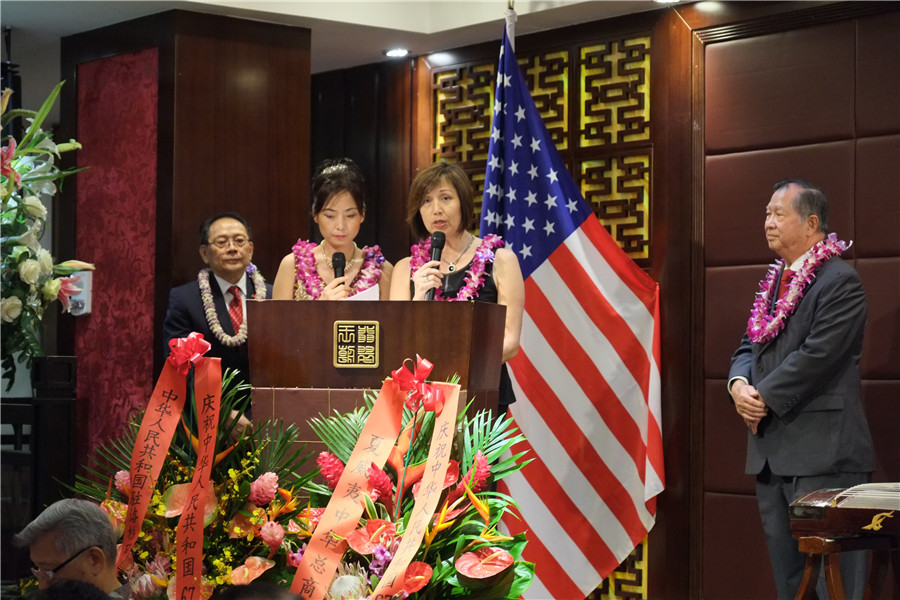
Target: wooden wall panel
(241, 127)
(878, 66)
(370, 108)
(785, 88)
(738, 186)
(793, 122)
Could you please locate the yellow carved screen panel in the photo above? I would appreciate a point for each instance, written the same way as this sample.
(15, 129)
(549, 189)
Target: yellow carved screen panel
(615, 80)
(600, 126)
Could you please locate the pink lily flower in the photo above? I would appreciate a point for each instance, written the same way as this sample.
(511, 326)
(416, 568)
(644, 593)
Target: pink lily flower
(6, 156)
(68, 288)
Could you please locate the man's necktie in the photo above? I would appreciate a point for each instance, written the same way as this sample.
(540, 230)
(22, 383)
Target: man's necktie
(785, 281)
(235, 309)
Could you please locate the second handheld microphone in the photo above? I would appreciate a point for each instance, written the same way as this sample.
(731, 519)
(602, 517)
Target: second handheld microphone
(437, 246)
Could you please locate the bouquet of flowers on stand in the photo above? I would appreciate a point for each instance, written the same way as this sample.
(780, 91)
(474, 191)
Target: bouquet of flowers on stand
(31, 280)
(408, 478)
(462, 554)
(253, 513)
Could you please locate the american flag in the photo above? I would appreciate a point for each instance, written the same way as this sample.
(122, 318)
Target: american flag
(587, 375)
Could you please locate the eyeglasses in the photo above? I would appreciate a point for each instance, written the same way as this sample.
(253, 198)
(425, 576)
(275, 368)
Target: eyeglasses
(49, 573)
(221, 243)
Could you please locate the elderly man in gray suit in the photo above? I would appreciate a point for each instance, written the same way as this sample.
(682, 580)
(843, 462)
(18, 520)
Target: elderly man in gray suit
(795, 381)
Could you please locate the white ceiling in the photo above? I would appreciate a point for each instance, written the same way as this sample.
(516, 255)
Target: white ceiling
(344, 33)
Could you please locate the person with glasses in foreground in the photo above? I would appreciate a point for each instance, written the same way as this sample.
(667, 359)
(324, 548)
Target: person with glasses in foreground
(73, 540)
(215, 304)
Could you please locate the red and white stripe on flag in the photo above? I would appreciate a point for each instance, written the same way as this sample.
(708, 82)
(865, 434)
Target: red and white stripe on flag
(586, 377)
(588, 399)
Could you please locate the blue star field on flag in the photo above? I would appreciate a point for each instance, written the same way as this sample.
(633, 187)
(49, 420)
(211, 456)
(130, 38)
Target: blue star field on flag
(530, 200)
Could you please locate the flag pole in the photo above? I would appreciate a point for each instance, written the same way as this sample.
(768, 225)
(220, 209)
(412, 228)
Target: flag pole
(511, 23)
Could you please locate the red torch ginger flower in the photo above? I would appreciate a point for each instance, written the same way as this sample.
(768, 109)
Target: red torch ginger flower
(332, 468)
(478, 475)
(382, 488)
(263, 490)
(272, 534)
(123, 483)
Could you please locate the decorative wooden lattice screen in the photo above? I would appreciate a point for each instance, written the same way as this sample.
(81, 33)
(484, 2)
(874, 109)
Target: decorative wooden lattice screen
(595, 102)
(594, 99)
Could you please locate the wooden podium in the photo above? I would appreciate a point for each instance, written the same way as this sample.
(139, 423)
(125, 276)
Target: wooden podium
(311, 358)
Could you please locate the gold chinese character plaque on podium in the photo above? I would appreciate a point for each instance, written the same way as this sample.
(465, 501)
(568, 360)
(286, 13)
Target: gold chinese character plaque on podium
(356, 344)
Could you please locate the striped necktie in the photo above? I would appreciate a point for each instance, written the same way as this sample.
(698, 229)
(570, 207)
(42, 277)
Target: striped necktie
(235, 309)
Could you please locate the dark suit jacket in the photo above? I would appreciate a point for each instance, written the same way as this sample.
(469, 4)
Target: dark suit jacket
(808, 377)
(185, 314)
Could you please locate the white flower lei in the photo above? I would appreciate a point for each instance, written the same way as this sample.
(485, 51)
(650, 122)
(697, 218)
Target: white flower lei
(209, 308)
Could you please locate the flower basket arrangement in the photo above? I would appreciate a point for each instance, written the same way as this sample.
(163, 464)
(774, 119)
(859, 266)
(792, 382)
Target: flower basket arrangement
(31, 279)
(463, 554)
(258, 527)
(253, 517)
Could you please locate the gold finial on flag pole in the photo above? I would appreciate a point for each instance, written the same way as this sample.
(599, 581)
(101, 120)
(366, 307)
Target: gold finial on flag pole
(511, 4)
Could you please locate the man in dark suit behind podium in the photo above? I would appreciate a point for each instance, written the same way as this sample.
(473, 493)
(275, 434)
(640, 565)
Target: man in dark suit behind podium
(795, 380)
(215, 304)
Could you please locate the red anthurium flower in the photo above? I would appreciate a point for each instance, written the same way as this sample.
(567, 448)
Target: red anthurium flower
(449, 478)
(418, 574)
(252, 568)
(332, 468)
(242, 525)
(377, 532)
(176, 498)
(483, 566)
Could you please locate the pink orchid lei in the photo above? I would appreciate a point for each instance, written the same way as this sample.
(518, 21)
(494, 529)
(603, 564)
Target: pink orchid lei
(209, 308)
(763, 326)
(421, 253)
(309, 285)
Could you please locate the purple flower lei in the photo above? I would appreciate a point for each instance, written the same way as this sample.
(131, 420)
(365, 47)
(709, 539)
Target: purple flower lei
(421, 253)
(762, 326)
(309, 285)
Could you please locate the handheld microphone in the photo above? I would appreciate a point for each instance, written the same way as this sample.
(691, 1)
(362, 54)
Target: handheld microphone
(338, 262)
(437, 246)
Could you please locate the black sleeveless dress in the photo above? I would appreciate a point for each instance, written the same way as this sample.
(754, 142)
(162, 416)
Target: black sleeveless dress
(452, 283)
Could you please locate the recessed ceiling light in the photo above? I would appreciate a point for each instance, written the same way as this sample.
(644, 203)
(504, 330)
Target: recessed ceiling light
(396, 52)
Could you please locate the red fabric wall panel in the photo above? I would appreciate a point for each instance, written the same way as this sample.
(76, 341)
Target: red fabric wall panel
(116, 230)
(791, 88)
